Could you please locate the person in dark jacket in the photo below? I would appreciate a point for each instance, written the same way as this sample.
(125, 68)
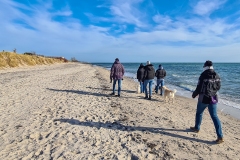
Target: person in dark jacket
(208, 84)
(117, 72)
(160, 74)
(140, 76)
(149, 74)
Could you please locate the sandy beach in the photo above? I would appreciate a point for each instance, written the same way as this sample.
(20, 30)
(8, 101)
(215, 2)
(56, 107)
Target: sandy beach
(64, 111)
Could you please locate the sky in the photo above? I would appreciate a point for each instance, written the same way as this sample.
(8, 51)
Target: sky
(131, 30)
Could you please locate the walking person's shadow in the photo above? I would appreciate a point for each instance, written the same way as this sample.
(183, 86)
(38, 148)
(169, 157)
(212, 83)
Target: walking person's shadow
(77, 92)
(88, 93)
(121, 127)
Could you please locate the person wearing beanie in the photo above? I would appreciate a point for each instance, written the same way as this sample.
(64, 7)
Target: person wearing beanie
(149, 73)
(140, 75)
(207, 65)
(160, 74)
(209, 83)
(117, 72)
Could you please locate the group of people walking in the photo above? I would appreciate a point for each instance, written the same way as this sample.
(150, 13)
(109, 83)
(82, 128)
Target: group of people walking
(209, 84)
(145, 76)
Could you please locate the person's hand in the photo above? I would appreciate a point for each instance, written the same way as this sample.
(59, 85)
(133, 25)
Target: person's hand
(194, 94)
(111, 80)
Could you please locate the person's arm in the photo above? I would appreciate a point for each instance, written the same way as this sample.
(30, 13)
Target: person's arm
(138, 74)
(145, 74)
(112, 72)
(123, 71)
(198, 88)
(218, 82)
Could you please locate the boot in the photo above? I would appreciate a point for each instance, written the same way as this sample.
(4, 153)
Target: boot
(193, 129)
(219, 140)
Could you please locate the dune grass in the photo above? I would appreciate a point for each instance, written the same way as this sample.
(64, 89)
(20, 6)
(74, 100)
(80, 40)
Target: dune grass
(11, 59)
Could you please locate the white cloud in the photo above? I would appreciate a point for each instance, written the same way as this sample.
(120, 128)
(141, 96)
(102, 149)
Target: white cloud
(208, 26)
(126, 11)
(161, 19)
(206, 7)
(121, 12)
(198, 38)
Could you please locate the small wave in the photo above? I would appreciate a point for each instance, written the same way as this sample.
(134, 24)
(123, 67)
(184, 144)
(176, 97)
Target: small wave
(185, 87)
(175, 75)
(188, 87)
(229, 103)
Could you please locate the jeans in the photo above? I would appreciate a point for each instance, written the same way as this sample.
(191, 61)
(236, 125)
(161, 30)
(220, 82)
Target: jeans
(160, 82)
(141, 87)
(150, 82)
(119, 85)
(212, 108)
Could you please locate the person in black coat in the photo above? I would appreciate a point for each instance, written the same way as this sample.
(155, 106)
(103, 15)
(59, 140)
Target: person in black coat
(140, 76)
(149, 74)
(209, 83)
(160, 74)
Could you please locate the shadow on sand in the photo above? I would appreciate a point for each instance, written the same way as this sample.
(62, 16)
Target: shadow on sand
(78, 92)
(91, 93)
(121, 127)
(108, 89)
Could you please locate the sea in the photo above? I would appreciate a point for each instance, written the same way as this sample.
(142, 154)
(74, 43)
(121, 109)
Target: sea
(184, 78)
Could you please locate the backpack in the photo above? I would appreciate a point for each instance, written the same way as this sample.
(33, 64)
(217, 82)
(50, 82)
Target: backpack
(210, 86)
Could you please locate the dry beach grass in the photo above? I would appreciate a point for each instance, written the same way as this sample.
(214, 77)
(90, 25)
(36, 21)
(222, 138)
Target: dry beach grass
(64, 111)
(11, 59)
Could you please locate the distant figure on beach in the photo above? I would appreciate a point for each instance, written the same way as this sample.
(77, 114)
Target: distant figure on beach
(160, 74)
(140, 76)
(116, 74)
(208, 84)
(149, 74)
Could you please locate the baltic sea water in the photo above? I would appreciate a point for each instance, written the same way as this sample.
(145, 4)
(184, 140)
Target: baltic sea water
(184, 78)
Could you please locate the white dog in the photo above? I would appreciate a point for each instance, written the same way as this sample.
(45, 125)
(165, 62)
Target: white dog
(169, 94)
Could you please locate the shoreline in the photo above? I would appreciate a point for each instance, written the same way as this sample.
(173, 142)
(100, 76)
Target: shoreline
(64, 111)
(232, 111)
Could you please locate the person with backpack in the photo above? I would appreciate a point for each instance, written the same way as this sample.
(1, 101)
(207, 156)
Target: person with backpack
(117, 72)
(149, 73)
(140, 75)
(160, 74)
(208, 84)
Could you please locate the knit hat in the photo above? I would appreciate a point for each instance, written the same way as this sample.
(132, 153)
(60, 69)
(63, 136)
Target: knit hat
(208, 63)
(160, 66)
(116, 59)
(148, 62)
(141, 65)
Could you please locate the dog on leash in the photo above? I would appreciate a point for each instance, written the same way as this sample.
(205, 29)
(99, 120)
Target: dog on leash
(169, 94)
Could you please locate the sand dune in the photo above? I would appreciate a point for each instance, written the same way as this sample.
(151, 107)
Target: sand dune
(64, 111)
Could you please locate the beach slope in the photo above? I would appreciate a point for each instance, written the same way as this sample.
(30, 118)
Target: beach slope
(64, 111)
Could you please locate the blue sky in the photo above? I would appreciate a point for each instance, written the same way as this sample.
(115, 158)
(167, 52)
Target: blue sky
(132, 30)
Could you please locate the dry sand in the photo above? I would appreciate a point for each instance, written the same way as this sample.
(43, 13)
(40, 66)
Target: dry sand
(64, 111)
